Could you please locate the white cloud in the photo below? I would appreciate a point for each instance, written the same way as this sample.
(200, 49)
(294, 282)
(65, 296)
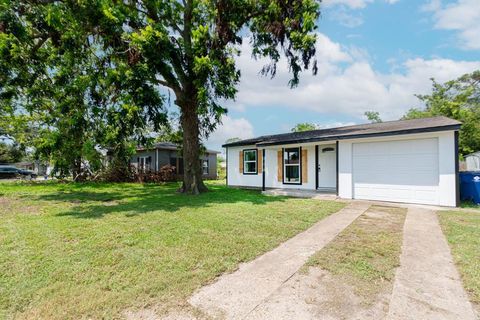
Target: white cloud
(347, 12)
(462, 16)
(335, 124)
(345, 18)
(346, 83)
(230, 128)
(432, 5)
(353, 4)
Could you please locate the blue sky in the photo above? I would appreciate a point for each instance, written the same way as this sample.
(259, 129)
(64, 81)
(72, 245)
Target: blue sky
(373, 55)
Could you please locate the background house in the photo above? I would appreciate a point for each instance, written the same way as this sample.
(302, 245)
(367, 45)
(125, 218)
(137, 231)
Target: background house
(39, 167)
(472, 162)
(167, 153)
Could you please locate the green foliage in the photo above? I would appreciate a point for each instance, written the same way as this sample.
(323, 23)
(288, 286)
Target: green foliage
(60, 91)
(304, 127)
(94, 70)
(373, 116)
(221, 167)
(457, 99)
(11, 153)
(170, 135)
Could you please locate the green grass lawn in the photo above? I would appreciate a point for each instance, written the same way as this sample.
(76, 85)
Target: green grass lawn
(72, 251)
(469, 205)
(462, 229)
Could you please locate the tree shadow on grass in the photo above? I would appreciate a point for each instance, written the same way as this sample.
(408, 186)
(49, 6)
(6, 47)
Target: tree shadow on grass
(134, 199)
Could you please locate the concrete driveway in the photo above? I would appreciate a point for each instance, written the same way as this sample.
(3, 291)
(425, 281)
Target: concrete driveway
(427, 284)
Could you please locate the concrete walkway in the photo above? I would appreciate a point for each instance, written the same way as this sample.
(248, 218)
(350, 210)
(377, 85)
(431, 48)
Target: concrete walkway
(427, 284)
(236, 295)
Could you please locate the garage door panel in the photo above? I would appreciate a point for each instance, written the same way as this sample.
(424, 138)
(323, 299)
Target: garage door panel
(426, 195)
(402, 178)
(402, 171)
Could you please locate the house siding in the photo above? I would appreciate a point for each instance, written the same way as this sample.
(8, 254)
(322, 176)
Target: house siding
(237, 178)
(143, 153)
(163, 157)
(271, 175)
(212, 165)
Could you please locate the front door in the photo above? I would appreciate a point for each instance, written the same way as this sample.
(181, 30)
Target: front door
(327, 167)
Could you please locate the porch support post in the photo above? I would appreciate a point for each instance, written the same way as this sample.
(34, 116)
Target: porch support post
(316, 167)
(226, 166)
(457, 169)
(336, 165)
(263, 169)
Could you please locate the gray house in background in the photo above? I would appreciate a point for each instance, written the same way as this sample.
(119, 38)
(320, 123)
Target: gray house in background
(164, 153)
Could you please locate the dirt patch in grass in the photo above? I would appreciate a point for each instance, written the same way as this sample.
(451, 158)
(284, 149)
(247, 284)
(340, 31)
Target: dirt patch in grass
(356, 270)
(13, 205)
(462, 230)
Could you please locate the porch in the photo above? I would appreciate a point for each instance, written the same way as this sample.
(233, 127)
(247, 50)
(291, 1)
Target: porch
(326, 194)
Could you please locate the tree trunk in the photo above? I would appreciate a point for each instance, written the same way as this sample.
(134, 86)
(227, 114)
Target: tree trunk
(192, 175)
(77, 169)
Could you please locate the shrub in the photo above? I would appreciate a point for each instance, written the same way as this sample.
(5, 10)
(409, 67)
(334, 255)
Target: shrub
(166, 173)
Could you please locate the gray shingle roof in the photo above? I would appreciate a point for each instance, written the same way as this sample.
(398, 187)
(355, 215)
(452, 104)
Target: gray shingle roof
(355, 131)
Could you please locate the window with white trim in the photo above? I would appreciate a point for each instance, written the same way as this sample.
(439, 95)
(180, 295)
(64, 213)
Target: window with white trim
(205, 166)
(144, 163)
(250, 161)
(291, 166)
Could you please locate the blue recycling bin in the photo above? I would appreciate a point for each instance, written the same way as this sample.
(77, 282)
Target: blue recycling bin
(470, 186)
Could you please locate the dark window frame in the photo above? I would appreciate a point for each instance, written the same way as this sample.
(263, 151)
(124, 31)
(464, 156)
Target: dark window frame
(179, 169)
(299, 166)
(256, 162)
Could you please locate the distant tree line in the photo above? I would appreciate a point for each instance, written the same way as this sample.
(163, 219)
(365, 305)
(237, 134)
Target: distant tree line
(457, 99)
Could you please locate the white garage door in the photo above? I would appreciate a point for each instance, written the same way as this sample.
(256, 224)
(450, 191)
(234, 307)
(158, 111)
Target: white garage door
(400, 171)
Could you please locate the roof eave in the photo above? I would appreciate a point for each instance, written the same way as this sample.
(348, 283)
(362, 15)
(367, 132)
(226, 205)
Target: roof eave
(239, 143)
(171, 149)
(365, 135)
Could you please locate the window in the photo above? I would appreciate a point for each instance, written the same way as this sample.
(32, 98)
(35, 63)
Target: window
(173, 162)
(144, 163)
(291, 166)
(250, 161)
(205, 166)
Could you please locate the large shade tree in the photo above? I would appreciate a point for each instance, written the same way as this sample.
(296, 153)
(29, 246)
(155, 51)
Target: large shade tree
(60, 91)
(187, 47)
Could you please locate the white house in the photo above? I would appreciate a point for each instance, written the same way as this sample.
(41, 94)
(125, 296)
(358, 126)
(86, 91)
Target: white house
(472, 161)
(412, 161)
